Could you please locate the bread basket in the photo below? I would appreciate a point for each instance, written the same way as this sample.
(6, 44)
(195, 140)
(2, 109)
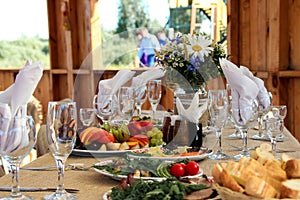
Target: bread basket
(227, 194)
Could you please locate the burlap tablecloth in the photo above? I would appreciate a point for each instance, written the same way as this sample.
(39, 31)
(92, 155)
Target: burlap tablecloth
(93, 185)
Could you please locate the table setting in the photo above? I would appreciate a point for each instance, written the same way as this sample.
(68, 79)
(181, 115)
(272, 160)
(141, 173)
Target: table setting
(117, 139)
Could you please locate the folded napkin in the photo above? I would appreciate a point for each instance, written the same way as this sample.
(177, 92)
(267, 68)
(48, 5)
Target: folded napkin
(151, 74)
(194, 111)
(13, 103)
(111, 86)
(243, 90)
(263, 97)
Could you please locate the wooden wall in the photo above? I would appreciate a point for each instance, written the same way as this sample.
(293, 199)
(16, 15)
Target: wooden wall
(264, 36)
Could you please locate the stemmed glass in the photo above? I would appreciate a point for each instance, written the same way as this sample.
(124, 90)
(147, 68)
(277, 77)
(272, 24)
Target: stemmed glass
(280, 112)
(140, 98)
(218, 110)
(105, 106)
(249, 115)
(87, 116)
(126, 103)
(154, 94)
(17, 136)
(262, 111)
(61, 137)
(237, 132)
(274, 128)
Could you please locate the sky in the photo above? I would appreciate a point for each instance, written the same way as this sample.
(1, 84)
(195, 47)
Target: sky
(29, 17)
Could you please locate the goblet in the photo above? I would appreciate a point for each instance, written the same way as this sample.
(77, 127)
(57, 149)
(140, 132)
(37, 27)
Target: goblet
(154, 94)
(105, 106)
(249, 115)
(237, 132)
(87, 116)
(17, 136)
(126, 103)
(262, 111)
(280, 112)
(61, 137)
(218, 110)
(274, 128)
(140, 98)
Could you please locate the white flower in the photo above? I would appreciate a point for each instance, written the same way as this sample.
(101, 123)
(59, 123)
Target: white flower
(199, 46)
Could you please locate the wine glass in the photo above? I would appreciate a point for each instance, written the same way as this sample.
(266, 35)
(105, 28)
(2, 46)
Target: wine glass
(140, 98)
(244, 118)
(237, 132)
(87, 116)
(262, 111)
(154, 94)
(105, 106)
(61, 137)
(18, 136)
(280, 112)
(218, 110)
(274, 128)
(126, 103)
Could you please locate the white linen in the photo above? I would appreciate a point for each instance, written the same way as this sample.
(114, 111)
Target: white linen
(111, 86)
(263, 97)
(194, 111)
(243, 90)
(13, 103)
(151, 74)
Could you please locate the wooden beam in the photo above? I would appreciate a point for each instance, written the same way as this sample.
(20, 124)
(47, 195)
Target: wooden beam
(233, 30)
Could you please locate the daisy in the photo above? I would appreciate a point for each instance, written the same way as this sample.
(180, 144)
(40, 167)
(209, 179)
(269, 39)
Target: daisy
(199, 46)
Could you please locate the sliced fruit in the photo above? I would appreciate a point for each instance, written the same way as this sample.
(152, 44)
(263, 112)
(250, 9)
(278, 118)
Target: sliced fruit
(113, 146)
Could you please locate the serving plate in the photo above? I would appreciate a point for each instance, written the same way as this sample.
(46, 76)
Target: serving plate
(97, 153)
(140, 154)
(119, 177)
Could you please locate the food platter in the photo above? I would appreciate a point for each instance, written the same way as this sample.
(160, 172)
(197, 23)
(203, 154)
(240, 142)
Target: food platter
(99, 153)
(119, 177)
(139, 154)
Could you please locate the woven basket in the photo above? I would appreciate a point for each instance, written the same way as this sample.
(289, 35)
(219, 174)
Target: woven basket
(227, 194)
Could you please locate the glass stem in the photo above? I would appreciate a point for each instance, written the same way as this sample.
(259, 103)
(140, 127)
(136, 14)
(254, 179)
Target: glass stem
(260, 124)
(15, 189)
(273, 142)
(61, 174)
(244, 133)
(218, 136)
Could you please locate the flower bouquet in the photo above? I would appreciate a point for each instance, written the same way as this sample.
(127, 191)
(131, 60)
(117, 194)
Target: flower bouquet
(191, 60)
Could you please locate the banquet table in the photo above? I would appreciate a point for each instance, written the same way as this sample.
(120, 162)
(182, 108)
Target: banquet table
(93, 185)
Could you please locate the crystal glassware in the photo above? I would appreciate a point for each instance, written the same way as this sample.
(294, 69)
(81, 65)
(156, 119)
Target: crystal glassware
(218, 111)
(87, 116)
(279, 112)
(274, 128)
(154, 94)
(126, 103)
(262, 111)
(249, 116)
(18, 136)
(105, 107)
(140, 98)
(61, 137)
(237, 132)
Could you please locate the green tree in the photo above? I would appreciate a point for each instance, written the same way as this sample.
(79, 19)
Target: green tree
(132, 15)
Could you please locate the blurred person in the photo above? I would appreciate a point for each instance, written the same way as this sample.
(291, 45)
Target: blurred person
(148, 43)
(162, 38)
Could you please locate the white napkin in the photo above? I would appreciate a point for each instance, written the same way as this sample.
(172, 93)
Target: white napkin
(243, 90)
(194, 111)
(111, 86)
(263, 97)
(15, 97)
(151, 74)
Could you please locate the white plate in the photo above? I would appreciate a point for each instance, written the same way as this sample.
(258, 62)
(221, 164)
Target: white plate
(97, 153)
(171, 158)
(119, 177)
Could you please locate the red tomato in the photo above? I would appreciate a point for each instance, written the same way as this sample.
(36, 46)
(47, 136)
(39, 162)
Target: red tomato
(192, 168)
(177, 170)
